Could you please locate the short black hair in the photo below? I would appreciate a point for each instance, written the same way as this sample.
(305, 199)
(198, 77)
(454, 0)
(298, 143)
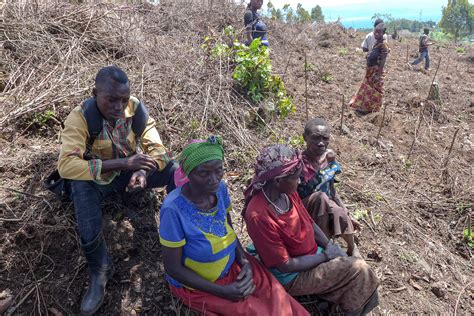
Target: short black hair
(111, 72)
(426, 30)
(381, 26)
(318, 121)
(377, 22)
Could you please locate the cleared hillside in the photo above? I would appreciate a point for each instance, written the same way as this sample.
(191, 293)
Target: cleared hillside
(420, 202)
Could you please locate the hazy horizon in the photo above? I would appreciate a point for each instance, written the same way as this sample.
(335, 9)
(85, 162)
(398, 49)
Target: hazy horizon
(358, 13)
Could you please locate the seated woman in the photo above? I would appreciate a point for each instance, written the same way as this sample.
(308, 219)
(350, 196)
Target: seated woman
(317, 185)
(293, 247)
(254, 26)
(205, 264)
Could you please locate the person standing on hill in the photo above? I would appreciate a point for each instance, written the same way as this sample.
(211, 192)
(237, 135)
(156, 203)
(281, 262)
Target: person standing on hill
(369, 97)
(97, 166)
(254, 26)
(370, 40)
(424, 43)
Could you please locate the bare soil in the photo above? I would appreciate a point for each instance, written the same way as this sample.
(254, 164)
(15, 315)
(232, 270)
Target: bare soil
(417, 204)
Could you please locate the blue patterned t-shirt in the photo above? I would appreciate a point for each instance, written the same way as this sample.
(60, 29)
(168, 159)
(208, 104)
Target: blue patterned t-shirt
(207, 239)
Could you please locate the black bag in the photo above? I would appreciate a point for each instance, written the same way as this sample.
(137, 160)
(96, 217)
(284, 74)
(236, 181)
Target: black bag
(94, 119)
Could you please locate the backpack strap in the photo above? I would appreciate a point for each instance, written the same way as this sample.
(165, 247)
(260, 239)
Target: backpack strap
(95, 124)
(139, 122)
(140, 119)
(94, 120)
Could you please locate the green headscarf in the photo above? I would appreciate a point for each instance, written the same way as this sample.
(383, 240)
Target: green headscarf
(199, 152)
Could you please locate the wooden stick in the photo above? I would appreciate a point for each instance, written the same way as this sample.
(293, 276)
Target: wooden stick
(286, 67)
(28, 194)
(381, 123)
(306, 86)
(450, 149)
(422, 108)
(342, 111)
(407, 52)
(434, 77)
(459, 297)
(368, 225)
(14, 308)
(469, 227)
(447, 64)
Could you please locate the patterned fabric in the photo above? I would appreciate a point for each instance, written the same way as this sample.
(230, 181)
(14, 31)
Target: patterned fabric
(207, 239)
(333, 219)
(347, 281)
(276, 161)
(180, 177)
(269, 297)
(369, 97)
(71, 164)
(374, 57)
(196, 153)
(318, 179)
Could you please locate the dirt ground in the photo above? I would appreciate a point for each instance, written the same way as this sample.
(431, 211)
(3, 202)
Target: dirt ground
(414, 199)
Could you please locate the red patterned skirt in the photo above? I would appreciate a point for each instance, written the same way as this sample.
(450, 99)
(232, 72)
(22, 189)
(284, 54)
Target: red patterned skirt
(369, 97)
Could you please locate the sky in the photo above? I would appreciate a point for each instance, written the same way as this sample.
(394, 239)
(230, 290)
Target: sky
(358, 13)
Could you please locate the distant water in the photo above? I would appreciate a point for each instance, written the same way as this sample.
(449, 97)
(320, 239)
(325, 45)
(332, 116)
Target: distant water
(362, 18)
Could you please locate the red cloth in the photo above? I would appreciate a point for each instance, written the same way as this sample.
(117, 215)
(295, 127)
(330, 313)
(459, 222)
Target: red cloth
(269, 297)
(279, 238)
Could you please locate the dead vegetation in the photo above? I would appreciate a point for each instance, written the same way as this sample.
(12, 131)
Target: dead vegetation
(411, 186)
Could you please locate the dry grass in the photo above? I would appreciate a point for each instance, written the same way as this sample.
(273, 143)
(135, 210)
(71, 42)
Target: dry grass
(49, 55)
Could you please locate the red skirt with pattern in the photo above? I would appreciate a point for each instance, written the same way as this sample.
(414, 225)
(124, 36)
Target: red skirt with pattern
(369, 97)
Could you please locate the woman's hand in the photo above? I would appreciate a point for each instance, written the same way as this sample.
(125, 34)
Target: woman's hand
(334, 251)
(356, 224)
(243, 286)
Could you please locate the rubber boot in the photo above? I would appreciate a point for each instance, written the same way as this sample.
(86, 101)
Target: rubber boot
(101, 269)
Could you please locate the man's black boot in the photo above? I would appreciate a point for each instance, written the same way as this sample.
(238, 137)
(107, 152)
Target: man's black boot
(101, 269)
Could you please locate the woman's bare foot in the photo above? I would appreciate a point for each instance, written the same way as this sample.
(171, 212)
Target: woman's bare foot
(354, 252)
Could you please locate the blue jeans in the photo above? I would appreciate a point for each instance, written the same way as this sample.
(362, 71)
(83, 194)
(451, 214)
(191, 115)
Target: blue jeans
(423, 55)
(87, 196)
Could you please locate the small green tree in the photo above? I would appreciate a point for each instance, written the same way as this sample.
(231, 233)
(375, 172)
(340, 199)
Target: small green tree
(302, 15)
(289, 13)
(458, 18)
(317, 14)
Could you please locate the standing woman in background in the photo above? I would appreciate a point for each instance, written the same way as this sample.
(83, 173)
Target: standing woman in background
(369, 97)
(254, 26)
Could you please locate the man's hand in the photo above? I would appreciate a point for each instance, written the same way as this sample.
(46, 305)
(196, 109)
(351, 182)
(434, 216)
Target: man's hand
(243, 285)
(137, 181)
(140, 162)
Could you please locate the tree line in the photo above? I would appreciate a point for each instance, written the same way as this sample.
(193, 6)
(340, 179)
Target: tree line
(300, 15)
(457, 18)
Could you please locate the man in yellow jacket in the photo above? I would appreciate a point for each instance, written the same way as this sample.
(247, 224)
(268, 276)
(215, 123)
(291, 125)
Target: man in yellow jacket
(113, 163)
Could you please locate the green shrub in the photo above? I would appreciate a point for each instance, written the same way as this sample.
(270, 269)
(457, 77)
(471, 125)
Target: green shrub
(469, 237)
(460, 50)
(326, 77)
(43, 117)
(253, 72)
(342, 52)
